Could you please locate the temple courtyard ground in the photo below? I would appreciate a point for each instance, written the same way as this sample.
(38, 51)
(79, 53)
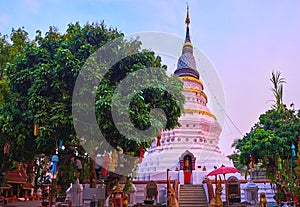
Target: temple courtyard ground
(24, 204)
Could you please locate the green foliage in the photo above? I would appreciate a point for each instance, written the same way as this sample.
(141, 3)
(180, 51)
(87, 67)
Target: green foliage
(8, 114)
(271, 138)
(4, 90)
(140, 105)
(4, 53)
(40, 79)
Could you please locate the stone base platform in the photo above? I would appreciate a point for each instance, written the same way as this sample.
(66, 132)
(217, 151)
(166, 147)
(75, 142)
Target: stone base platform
(149, 205)
(238, 204)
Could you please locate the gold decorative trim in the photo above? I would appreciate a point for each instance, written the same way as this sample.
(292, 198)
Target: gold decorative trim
(188, 44)
(196, 91)
(18, 182)
(191, 79)
(199, 112)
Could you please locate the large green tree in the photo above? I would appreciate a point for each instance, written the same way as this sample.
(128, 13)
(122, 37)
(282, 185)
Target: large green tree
(10, 46)
(270, 140)
(41, 79)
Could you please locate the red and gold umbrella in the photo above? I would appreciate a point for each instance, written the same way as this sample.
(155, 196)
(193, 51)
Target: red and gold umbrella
(223, 170)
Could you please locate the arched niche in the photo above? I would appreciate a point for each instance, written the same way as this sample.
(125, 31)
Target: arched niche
(187, 155)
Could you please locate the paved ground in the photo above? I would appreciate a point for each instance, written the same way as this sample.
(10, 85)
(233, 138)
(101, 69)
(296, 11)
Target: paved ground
(24, 204)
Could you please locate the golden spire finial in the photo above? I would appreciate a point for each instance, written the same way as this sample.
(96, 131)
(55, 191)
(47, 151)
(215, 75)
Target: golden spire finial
(187, 19)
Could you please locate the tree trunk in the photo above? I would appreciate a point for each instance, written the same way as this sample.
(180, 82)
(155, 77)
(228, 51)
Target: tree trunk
(93, 173)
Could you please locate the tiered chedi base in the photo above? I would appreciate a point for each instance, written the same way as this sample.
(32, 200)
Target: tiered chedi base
(198, 134)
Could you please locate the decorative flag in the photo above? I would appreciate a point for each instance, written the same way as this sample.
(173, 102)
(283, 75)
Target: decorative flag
(293, 150)
(252, 162)
(158, 139)
(36, 130)
(6, 149)
(105, 164)
(54, 160)
(114, 160)
(279, 163)
(142, 151)
(60, 144)
(298, 152)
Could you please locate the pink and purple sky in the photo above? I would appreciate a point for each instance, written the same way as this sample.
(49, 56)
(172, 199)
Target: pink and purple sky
(244, 39)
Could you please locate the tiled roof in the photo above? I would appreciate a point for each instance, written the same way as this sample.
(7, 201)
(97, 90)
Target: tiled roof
(15, 177)
(27, 186)
(6, 186)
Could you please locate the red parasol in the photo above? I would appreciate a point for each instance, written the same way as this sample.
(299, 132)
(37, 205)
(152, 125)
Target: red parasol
(223, 170)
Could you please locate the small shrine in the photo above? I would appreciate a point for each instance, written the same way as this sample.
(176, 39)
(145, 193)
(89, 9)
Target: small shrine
(251, 192)
(233, 191)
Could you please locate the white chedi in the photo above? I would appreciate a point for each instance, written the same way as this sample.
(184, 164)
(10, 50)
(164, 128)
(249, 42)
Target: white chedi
(196, 139)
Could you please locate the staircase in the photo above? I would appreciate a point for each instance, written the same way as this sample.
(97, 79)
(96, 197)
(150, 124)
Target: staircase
(192, 196)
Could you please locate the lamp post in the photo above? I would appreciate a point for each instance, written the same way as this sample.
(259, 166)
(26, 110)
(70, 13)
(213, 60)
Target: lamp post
(54, 160)
(167, 186)
(177, 170)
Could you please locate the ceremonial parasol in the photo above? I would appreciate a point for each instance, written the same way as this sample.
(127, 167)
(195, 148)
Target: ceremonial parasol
(223, 170)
